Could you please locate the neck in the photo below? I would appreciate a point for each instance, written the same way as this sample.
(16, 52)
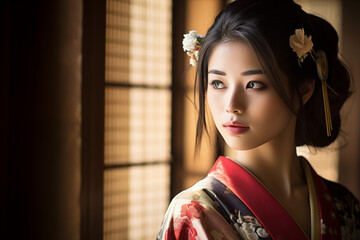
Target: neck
(276, 165)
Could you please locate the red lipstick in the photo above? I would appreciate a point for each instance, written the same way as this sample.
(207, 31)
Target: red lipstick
(236, 128)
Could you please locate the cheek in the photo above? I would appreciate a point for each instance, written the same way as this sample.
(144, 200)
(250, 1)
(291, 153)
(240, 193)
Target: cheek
(270, 110)
(214, 102)
(216, 107)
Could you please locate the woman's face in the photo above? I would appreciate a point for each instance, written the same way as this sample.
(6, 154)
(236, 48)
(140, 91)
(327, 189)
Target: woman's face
(246, 109)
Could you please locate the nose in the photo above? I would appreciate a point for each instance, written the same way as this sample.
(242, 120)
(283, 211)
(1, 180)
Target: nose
(235, 102)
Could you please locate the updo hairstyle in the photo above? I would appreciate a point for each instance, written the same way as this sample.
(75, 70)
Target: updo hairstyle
(266, 25)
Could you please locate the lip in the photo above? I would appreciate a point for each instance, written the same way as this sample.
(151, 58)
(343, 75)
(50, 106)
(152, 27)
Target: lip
(236, 128)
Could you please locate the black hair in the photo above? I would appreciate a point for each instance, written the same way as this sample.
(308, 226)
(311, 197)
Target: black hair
(266, 26)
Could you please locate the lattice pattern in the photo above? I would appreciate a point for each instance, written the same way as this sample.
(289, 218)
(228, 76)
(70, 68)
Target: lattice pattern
(137, 117)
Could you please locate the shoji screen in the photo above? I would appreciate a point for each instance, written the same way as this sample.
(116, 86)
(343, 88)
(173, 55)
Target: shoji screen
(137, 117)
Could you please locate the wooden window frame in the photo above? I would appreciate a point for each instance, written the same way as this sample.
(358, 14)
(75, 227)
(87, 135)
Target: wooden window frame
(93, 107)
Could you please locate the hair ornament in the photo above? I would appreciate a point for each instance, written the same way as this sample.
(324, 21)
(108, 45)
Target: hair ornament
(191, 45)
(302, 45)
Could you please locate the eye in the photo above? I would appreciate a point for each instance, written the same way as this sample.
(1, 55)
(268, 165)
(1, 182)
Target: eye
(255, 85)
(217, 84)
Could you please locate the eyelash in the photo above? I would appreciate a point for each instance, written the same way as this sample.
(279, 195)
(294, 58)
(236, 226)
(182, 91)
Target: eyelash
(262, 85)
(215, 83)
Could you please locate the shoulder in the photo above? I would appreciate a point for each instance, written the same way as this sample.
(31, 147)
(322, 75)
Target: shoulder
(341, 194)
(192, 213)
(348, 209)
(338, 189)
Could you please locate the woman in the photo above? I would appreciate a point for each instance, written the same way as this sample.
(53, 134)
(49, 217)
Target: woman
(273, 81)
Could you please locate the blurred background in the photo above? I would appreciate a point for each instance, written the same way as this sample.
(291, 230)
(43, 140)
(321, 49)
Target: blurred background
(98, 122)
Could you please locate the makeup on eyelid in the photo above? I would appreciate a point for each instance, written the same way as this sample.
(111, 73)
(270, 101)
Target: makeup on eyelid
(250, 85)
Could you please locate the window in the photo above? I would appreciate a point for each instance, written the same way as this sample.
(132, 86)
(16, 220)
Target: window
(137, 117)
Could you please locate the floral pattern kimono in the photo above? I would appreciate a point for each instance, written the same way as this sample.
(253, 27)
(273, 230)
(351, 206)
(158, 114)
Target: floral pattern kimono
(230, 203)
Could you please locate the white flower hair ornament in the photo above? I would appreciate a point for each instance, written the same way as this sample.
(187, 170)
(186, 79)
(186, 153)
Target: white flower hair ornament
(191, 45)
(302, 45)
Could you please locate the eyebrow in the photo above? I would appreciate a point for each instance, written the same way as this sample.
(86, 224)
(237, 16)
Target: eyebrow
(246, 73)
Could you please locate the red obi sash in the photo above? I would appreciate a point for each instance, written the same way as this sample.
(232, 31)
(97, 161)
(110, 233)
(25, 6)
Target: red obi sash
(270, 213)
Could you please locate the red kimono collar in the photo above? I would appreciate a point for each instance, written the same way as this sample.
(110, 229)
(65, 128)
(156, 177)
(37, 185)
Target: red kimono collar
(270, 213)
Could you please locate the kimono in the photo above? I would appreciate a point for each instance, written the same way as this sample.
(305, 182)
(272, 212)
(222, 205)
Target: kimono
(230, 203)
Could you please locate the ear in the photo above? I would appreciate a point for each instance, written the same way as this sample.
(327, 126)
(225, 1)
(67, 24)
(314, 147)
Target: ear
(307, 91)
